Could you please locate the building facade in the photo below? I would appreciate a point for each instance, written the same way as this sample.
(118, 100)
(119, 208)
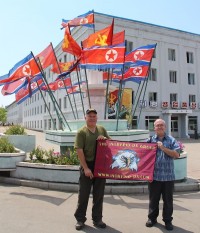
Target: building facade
(172, 92)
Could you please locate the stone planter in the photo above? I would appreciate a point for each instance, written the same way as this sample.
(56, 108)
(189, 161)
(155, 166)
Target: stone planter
(55, 173)
(70, 173)
(180, 167)
(8, 161)
(46, 172)
(24, 142)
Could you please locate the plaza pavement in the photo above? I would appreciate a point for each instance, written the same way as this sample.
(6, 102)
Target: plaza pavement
(28, 210)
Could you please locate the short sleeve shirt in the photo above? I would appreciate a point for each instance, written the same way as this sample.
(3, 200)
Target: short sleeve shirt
(86, 140)
(164, 164)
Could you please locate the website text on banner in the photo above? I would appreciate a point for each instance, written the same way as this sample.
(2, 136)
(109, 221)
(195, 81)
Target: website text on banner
(121, 160)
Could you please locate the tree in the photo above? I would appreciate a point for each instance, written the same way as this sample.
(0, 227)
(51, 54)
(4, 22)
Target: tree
(3, 115)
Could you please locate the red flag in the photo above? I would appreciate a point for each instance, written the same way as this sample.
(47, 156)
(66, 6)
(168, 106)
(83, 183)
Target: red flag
(69, 45)
(11, 88)
(113, 96)
(103, 57)
(136, 72)
(64, 67)
(118, 38)
(140, 56)
(47, 57)
(82, 20)
(25, 68)
(58, 84)
(30, 89)
(125, 160)
(113, 78)
(101, 38)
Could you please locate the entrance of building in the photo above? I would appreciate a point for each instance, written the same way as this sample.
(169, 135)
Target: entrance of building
(174, 127)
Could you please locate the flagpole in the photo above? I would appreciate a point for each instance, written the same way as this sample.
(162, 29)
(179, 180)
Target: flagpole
(55, 103)
(46, 106)
(51, 94)
(73, 98)
(93, 23)
(119, 98)
(77, 73)
(63, 81)
(86, 82)
(142, 88)
(131, 115)
(107, 96)
(78, 81)
(142, 102)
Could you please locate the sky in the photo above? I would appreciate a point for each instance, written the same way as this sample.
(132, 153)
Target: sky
(28, 25)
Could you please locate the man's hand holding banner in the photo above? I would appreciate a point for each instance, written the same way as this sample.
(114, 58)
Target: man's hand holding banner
(121, 160)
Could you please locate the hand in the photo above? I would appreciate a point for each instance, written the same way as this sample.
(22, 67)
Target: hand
(88, 173)
(101, 137)
(160, 145)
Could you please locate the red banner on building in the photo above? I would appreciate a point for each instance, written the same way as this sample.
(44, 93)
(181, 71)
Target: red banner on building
(121, 160)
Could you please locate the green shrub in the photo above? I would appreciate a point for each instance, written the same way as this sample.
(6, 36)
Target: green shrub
(6, 146)
(16, 130)
(40, 155)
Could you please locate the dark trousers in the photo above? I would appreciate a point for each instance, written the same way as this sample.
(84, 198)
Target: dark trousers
(156, 189)
(85, 185)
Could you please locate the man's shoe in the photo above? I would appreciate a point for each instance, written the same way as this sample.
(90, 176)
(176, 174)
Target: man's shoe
(99, 224)
(169, 226)
(79, 226)
(150, 223)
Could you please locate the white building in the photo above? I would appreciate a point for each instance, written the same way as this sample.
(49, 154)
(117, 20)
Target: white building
(172, 92)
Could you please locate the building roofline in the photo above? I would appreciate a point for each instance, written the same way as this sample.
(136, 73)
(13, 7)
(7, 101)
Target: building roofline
(149, 24)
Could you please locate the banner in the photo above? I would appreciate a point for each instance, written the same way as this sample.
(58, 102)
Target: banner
(121, 160)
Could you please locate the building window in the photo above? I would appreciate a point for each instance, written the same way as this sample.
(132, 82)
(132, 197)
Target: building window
(45, 124)
(54, 123)
(154, 54)
(65, 102)
(191, 79)
(152, 97)
(192, 98)
(60, 103)
(49, 73)
(173, 97)
(192, 122)
(49, 123)
(134, 122)
(129, 46)
(190, 58)
(153, 74)
(171, 55)
(149, 122)
(172, 77)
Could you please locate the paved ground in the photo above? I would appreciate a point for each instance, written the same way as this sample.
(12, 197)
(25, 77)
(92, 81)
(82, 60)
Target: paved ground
(32, 210)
